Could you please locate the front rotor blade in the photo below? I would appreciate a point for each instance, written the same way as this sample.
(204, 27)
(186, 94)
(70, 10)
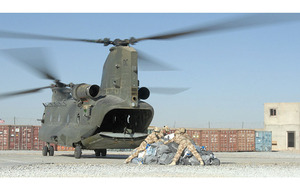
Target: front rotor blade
(167, 90)
(6, 95)
(235, 23)
(34, 58)
(17, 35)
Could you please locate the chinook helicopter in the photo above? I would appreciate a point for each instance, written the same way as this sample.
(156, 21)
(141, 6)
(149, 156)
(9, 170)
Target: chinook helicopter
(113, 115)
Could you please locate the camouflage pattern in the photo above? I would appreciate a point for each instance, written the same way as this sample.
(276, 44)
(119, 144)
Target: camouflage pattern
(184, 133)
(183, 143)
(187, 136)
(155, 136)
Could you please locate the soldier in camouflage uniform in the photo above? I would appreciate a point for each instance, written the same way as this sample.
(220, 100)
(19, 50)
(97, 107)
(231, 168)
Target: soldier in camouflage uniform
(155, 136)
(183, 142)
(187, 136)
(166, 130)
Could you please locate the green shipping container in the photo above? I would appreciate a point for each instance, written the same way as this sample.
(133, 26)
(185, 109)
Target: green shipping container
(263, 141)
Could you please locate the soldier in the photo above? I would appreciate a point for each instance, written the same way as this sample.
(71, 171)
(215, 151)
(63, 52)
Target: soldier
(183, 142)
(165, 131)
(188, 137)
(155, 136)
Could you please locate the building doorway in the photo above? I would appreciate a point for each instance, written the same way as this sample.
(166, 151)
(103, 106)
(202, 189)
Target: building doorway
(291, 139)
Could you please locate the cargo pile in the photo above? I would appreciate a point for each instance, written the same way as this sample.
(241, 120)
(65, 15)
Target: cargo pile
(159, 153)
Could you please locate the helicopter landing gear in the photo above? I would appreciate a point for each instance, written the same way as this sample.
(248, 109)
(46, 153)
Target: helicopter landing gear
(48, 149)
(103, 152)
(78, 152)
(51, 151)
(45, 150)
(100, 151)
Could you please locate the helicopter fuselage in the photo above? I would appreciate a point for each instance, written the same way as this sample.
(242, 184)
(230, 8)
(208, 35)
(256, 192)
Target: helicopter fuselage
(111, 116)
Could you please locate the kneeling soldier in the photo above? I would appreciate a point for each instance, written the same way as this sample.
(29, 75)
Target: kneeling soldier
(155, 136)
(183, 142)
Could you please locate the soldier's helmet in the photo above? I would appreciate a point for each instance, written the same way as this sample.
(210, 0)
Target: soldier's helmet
(156, 129)
(182, 130)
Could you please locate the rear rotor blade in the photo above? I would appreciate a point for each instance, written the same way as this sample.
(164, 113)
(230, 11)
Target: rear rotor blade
(7, 95)
(234, 23)
(147, 63)
(34, 58)
(167, 90)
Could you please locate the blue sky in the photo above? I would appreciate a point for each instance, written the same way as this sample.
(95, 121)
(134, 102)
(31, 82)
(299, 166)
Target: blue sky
(231, 74)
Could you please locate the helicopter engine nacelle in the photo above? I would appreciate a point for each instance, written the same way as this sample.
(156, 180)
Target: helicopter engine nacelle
(85, 91)
(144, 93)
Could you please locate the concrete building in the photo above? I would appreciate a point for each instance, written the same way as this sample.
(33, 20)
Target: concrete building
(283, 119)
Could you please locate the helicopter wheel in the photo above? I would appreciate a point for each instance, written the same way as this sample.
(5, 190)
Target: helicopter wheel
(97, 152)
(51, 151)
(45, 150)
(77, 152)
(103, 152)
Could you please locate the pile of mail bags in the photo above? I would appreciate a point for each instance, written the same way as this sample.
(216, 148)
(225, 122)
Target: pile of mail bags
(158, 153)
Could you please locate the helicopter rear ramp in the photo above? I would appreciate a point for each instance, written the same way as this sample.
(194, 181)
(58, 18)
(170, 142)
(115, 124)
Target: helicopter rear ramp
(109, 140)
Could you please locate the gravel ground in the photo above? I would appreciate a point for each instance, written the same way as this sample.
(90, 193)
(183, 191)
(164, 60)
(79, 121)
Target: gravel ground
(63, 164)
(93, 170)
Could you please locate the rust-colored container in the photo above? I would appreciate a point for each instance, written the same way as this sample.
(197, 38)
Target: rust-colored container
(37, 144)
(228, 141)
(246, 140)
(26, 141)
(195, 135)
(14, 138)
(4, 137)
(20, 137)
(211, 140)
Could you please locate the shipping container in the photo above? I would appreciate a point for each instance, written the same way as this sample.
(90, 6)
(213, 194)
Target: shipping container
(37, 144)
(4, 137)
(263, 141)
(210, 139)
(20, 137)
(246, 140)
(228, 141)
(223, 140)
(14, 138)
(195, 135)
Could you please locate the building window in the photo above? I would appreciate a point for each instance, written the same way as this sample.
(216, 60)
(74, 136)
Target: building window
(291, 139)
(272, 112)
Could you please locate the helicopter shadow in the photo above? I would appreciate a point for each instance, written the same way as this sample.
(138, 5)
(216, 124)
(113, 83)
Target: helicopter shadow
(92, 156)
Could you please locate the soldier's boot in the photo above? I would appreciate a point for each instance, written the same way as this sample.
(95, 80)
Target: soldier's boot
(197, 155)
(127, 160)
(172, 163)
